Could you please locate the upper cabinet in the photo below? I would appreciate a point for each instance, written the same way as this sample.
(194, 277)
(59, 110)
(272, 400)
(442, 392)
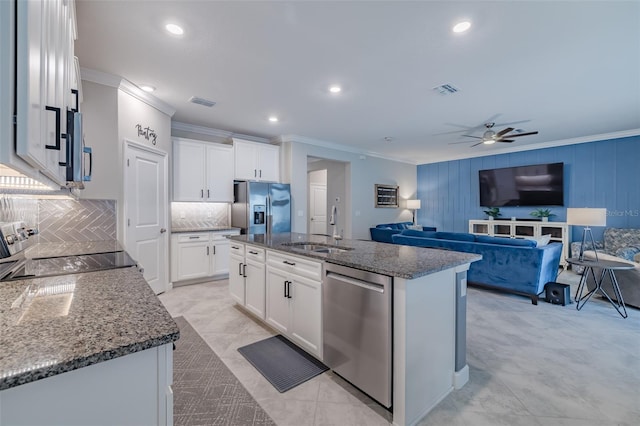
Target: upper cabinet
(45, 35)
(256, 161)
(202, 171)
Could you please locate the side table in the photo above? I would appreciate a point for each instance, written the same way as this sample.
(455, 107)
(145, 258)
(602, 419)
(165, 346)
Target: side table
(607, 266)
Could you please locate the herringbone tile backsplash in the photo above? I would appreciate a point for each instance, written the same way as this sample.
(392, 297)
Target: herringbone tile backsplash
(77, 220)
(64, 220)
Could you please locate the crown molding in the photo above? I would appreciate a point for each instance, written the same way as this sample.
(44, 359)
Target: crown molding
(225, 134)
(343, 148)
(128, 87)
(543, 145)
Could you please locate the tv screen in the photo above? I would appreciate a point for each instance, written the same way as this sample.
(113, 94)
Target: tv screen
(536, 185)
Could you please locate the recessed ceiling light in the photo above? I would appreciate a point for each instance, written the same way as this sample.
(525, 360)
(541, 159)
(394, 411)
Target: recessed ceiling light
(147, 88)
(273, 119)
(461, 27)
(335, 89)
(174, 29)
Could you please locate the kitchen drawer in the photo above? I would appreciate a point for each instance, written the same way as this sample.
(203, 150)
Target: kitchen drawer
(193, 237)
(236, 249)
(295, 265)
(254, 253)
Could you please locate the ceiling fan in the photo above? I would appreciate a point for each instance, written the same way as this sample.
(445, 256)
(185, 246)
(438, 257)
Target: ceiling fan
(490, 136)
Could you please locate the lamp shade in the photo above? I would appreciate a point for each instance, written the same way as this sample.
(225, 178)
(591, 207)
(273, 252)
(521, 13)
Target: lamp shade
(413, 204)
(587, 217)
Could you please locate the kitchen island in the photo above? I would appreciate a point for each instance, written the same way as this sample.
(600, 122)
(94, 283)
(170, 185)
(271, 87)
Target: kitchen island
(428, 306)
(89, 348)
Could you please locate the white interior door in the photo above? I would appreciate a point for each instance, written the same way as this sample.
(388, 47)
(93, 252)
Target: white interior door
(317, 208)
(146, 195)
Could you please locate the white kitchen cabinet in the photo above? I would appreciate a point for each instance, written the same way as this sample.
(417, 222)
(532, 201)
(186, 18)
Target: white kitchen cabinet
(134, 389)
(294, 299)
(236, 273)
(199, 255)
(202, 171)
(256, 161)
(247, 277)
(45, 35)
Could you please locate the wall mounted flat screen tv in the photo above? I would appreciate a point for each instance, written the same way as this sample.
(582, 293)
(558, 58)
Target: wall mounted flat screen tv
(536, 185)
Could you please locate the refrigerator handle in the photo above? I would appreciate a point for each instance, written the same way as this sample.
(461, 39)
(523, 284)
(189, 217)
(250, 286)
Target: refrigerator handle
(268, 215)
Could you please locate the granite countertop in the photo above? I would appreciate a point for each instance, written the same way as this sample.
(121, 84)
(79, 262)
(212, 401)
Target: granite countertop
(53, 325)
(388, 259)
(193, 226)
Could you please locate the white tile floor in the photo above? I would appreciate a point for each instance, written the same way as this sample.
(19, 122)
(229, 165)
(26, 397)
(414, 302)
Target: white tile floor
(529, 365)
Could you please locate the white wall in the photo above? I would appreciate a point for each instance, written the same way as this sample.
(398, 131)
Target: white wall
(100, 126)
(110, 117)
(362, 173)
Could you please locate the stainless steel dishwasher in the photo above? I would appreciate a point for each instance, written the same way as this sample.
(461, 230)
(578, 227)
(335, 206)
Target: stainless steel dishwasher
(357, 329)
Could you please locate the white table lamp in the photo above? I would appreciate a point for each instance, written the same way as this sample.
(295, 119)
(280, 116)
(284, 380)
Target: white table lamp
(587, 217)
(413, 205)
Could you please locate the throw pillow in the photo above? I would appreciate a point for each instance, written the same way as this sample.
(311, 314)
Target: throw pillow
(540, 241)
(628, 253)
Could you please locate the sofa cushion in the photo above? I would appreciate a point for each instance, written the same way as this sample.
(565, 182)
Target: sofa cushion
(519, 242)
(617, 238)
(628, 253)
(456, 236)
(540, 241)
(416, 233)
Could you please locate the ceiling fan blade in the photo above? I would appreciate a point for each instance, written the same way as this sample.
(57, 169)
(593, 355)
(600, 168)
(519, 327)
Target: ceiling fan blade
(504, 132)
(511, 122)
(505, 140)
(522, 134)
(476, 144)
(457, 143)
(471, 136)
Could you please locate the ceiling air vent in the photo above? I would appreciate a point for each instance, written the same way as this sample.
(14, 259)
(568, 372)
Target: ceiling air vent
(201, 101)
(446, 89)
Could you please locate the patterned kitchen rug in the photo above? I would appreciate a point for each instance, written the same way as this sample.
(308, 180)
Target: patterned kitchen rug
(281, 362)
(205, 392)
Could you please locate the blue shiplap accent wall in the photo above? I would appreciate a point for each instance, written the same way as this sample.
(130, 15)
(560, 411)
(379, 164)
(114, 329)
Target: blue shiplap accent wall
(596, 174)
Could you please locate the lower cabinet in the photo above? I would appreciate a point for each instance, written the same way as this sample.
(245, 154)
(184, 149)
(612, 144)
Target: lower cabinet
(199, 255)
(294, 299)
(246, 277)
(134, 389)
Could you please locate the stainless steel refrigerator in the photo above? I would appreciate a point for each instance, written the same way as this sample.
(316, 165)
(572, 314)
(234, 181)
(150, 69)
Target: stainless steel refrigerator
(261, 208)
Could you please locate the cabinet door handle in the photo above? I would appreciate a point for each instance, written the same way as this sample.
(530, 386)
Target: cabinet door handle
(255, 173)
(58, 135)
(253, 252)
(260, 172)
(240, 269)
(244, 270)
(214, 250)
(286, 262)
(285, 289)
(208, 194)
(202, 193)
(235, 247)
(207, 250)
(195, 237)
(289, 290)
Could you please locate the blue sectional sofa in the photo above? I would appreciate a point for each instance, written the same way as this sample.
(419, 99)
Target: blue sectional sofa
(382, 233)
(512, 265)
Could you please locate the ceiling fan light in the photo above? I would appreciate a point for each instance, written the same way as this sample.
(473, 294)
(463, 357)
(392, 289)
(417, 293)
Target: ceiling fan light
(488, 141)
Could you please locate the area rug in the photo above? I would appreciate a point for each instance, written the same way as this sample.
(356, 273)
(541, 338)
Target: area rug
(205, 392)
(281, 362)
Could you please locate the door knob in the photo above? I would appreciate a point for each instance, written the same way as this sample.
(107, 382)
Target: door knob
(163, 230)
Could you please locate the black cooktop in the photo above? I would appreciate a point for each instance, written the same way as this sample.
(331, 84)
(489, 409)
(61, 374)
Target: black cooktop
(36, 268)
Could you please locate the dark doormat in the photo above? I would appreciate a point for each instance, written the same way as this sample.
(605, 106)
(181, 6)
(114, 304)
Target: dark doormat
(281, 362)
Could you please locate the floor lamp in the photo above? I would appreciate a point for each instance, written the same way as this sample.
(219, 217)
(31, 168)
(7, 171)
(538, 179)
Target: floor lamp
(413, 205)
(587, 218)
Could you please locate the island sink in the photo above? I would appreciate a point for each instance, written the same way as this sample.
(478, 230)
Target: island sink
(317, 247)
